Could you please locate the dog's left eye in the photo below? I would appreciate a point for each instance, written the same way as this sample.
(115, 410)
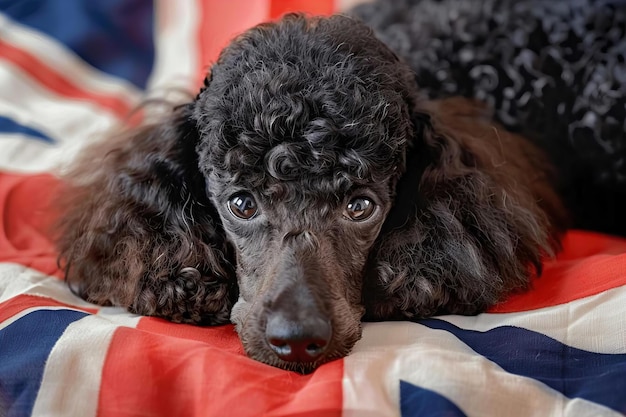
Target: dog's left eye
(359, 208)
(243, 205)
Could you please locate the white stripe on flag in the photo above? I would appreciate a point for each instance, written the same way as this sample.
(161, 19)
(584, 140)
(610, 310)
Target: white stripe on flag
(71, 123)
(176, 47)
(66, 62)
(70, 385)
(17, 280)
(438, 361)
(595, 323)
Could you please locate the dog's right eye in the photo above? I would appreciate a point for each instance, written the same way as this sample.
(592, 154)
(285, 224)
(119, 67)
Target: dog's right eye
(243, 206)
(359, 208)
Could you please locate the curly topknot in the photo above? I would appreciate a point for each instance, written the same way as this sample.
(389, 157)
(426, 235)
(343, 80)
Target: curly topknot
(307, 108)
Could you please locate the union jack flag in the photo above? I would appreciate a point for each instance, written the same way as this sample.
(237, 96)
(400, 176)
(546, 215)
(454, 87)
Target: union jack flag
(69, 72)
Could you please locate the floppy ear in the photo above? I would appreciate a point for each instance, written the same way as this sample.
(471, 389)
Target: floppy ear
(473, 217)
(137, 228)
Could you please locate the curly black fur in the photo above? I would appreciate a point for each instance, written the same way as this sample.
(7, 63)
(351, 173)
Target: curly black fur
(303, 117)
(554, 71)
(137, 227)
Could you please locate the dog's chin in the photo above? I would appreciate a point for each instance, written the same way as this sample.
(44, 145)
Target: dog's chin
(261, 352)
(251, 329)
(269, 358)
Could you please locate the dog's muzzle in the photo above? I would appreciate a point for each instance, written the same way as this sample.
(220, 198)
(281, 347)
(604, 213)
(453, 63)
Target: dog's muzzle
(297, 329)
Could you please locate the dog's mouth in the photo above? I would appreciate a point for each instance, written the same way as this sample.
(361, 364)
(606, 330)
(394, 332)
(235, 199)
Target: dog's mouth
(302, 367)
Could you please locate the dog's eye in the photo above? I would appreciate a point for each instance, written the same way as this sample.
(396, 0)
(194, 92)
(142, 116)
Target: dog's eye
(359, 208)
(243, 206)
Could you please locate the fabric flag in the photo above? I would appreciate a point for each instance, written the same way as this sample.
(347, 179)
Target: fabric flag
(72, 71)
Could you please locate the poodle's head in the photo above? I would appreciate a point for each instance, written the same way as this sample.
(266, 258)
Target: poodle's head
(304, 127)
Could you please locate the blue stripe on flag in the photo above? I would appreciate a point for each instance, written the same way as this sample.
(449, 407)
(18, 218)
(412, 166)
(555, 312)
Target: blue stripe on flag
(418, 402)
(24, 349)
(8, 125)
(576, 373)
(114, 36)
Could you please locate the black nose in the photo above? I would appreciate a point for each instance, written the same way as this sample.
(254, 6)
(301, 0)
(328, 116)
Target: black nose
(302, 341)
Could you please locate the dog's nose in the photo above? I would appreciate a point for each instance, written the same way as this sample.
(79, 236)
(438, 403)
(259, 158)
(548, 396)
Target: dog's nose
(301, 341)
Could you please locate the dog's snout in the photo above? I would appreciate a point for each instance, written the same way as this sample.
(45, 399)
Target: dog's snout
(298, 341)
(307, 239)
(297, 316)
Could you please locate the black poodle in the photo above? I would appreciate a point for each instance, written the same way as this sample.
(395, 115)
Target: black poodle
(310, 184)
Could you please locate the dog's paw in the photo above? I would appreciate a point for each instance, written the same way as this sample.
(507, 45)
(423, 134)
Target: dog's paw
(187, 297)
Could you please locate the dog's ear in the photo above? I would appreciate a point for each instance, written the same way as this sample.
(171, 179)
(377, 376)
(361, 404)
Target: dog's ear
(474, 214)
(137, 228)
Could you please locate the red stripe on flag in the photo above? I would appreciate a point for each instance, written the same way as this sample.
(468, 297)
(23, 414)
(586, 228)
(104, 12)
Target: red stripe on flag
(319, 7)
(220, 22)
(589, 264)
(25, 235)
(218, 337)
(178, 370)
(60, 83)
(23, 302)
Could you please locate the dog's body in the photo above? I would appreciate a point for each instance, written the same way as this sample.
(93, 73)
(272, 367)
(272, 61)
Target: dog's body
(553, 71)
(308, 184)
